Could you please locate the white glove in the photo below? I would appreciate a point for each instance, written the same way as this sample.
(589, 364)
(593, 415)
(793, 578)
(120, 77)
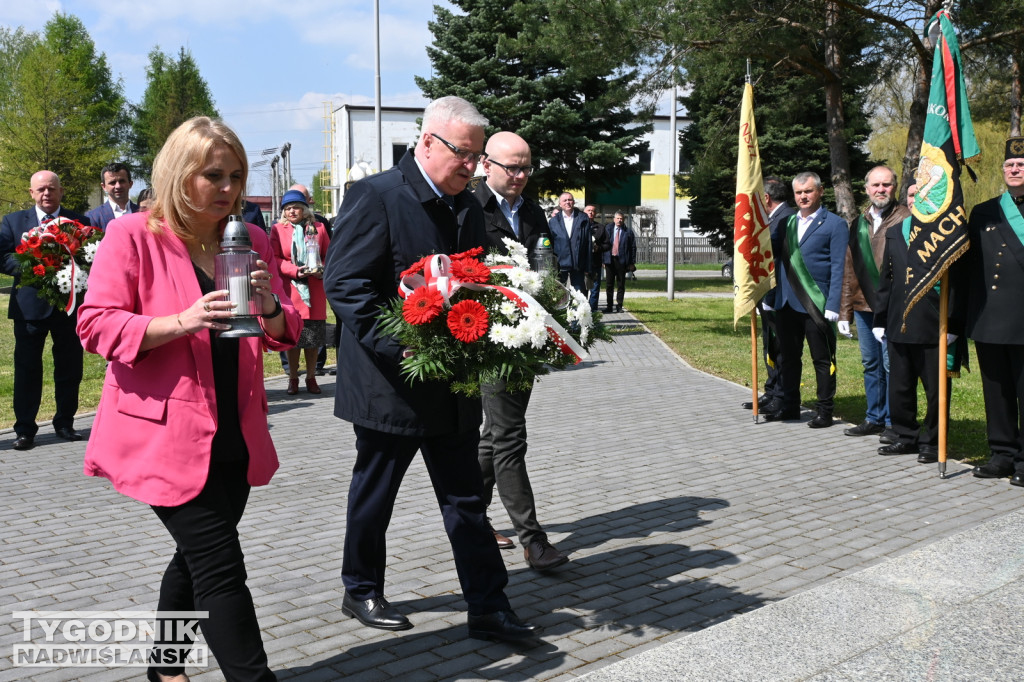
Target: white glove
(831, 315)
(766, 306)
(844, 329)
(950, 338)
(879, 333)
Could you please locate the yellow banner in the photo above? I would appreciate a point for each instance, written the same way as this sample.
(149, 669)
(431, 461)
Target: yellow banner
(753, 260)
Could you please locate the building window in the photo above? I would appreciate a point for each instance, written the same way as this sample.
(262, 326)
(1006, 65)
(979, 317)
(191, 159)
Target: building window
(646, 160)
(684, 163)
(397, 152)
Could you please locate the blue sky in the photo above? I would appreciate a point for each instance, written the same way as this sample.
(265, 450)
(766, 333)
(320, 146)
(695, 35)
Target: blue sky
(270, 64)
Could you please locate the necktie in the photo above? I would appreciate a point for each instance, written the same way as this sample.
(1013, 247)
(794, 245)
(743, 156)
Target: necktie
(47, 218)
(615, 246)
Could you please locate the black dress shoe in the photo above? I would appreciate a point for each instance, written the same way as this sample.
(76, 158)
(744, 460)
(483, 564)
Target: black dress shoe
(543, 556)
(503, 625)
(989, 471)
(24, 443)
(375, 613)
(618, 309)
(762, 404)
(1017, 480)
(927, 456)
(821, 421)
(898, 449)
(782, 415)
(68, 433)
(888, 436)
(865, 429)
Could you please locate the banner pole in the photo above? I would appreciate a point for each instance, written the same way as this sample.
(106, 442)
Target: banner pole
(943, 372)
(753, 360)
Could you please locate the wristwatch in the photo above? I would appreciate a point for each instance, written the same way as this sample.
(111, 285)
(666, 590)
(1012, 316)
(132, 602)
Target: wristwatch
(277, 309)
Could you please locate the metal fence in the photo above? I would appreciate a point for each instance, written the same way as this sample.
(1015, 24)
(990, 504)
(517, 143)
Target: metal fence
(688, 250)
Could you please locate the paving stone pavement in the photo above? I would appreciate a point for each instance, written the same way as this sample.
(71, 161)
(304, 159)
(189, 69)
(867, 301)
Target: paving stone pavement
(678, 510)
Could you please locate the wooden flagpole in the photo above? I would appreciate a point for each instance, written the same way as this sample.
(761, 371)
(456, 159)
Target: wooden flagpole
(943, 373)
(753, 359)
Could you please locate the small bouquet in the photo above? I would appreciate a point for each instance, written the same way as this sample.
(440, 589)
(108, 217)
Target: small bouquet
(55, 258)
(468, 321)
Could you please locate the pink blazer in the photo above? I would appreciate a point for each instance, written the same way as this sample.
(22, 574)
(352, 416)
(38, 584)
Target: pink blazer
(158, 412)
(281, 239)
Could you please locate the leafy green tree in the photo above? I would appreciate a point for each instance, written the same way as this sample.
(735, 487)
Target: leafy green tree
(578, 122)
(175, 92)
(60, 110)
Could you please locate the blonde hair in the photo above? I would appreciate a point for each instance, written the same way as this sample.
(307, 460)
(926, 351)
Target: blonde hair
(307, 215)
(182, 157)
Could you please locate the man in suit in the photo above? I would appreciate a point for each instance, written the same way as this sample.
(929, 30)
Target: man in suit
(387, 222)
(868, 239)
(778, 212)
(995, 283)
(116, 182)
(570, 240)
(809, 265)
(913, 346)
(619, 259)
(502, 453)
(34, 318)
(599, 245)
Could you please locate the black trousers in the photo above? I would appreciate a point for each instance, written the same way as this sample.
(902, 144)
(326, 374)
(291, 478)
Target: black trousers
(451, 460)
(908, 363)
(207, 573)
(794, 327)
(502, 457)
(1002, 384)
(29, 341)
(616, 281)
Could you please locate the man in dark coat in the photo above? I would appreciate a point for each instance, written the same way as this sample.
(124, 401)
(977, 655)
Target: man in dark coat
(995, 284)
(387, 222)
(34, 319)
(913, 347)
(570, 239)
(502, 452)
(116, 183)
(619, 259)
(598, 245)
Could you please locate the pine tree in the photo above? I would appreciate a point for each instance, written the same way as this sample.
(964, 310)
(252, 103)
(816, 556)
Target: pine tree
(579, 125)
(175, 92)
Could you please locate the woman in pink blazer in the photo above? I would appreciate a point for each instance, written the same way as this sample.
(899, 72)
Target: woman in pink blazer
(182, 422)
(300, 246)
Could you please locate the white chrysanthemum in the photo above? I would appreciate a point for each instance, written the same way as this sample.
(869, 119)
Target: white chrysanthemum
(89, 251)
(534, 332)
(497, 259)
(502, 334)
(517, 252)
(63, 279)
(81, 279)
(532, 282)
(508, 309)
(535, 312)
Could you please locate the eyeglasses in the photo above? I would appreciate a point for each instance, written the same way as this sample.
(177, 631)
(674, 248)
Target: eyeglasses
(1010, 164)
(461, 154)
(513, 171)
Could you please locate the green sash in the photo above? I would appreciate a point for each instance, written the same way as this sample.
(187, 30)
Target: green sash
(1012, 215)
(805, 287)
(862, 258)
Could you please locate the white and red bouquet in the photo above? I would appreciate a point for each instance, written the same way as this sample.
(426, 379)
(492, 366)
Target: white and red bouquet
(55, 258)
(469, 321)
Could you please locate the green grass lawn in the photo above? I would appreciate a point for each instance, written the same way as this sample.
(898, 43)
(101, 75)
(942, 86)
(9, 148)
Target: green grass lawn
(701, 331)
(698, 285)
(715, 267)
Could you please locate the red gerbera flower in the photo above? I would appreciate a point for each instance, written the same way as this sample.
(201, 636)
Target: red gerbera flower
(467, 320)
(470, 270)
(38, 271)
(472, 253)
(422, 305)
(414, 269)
